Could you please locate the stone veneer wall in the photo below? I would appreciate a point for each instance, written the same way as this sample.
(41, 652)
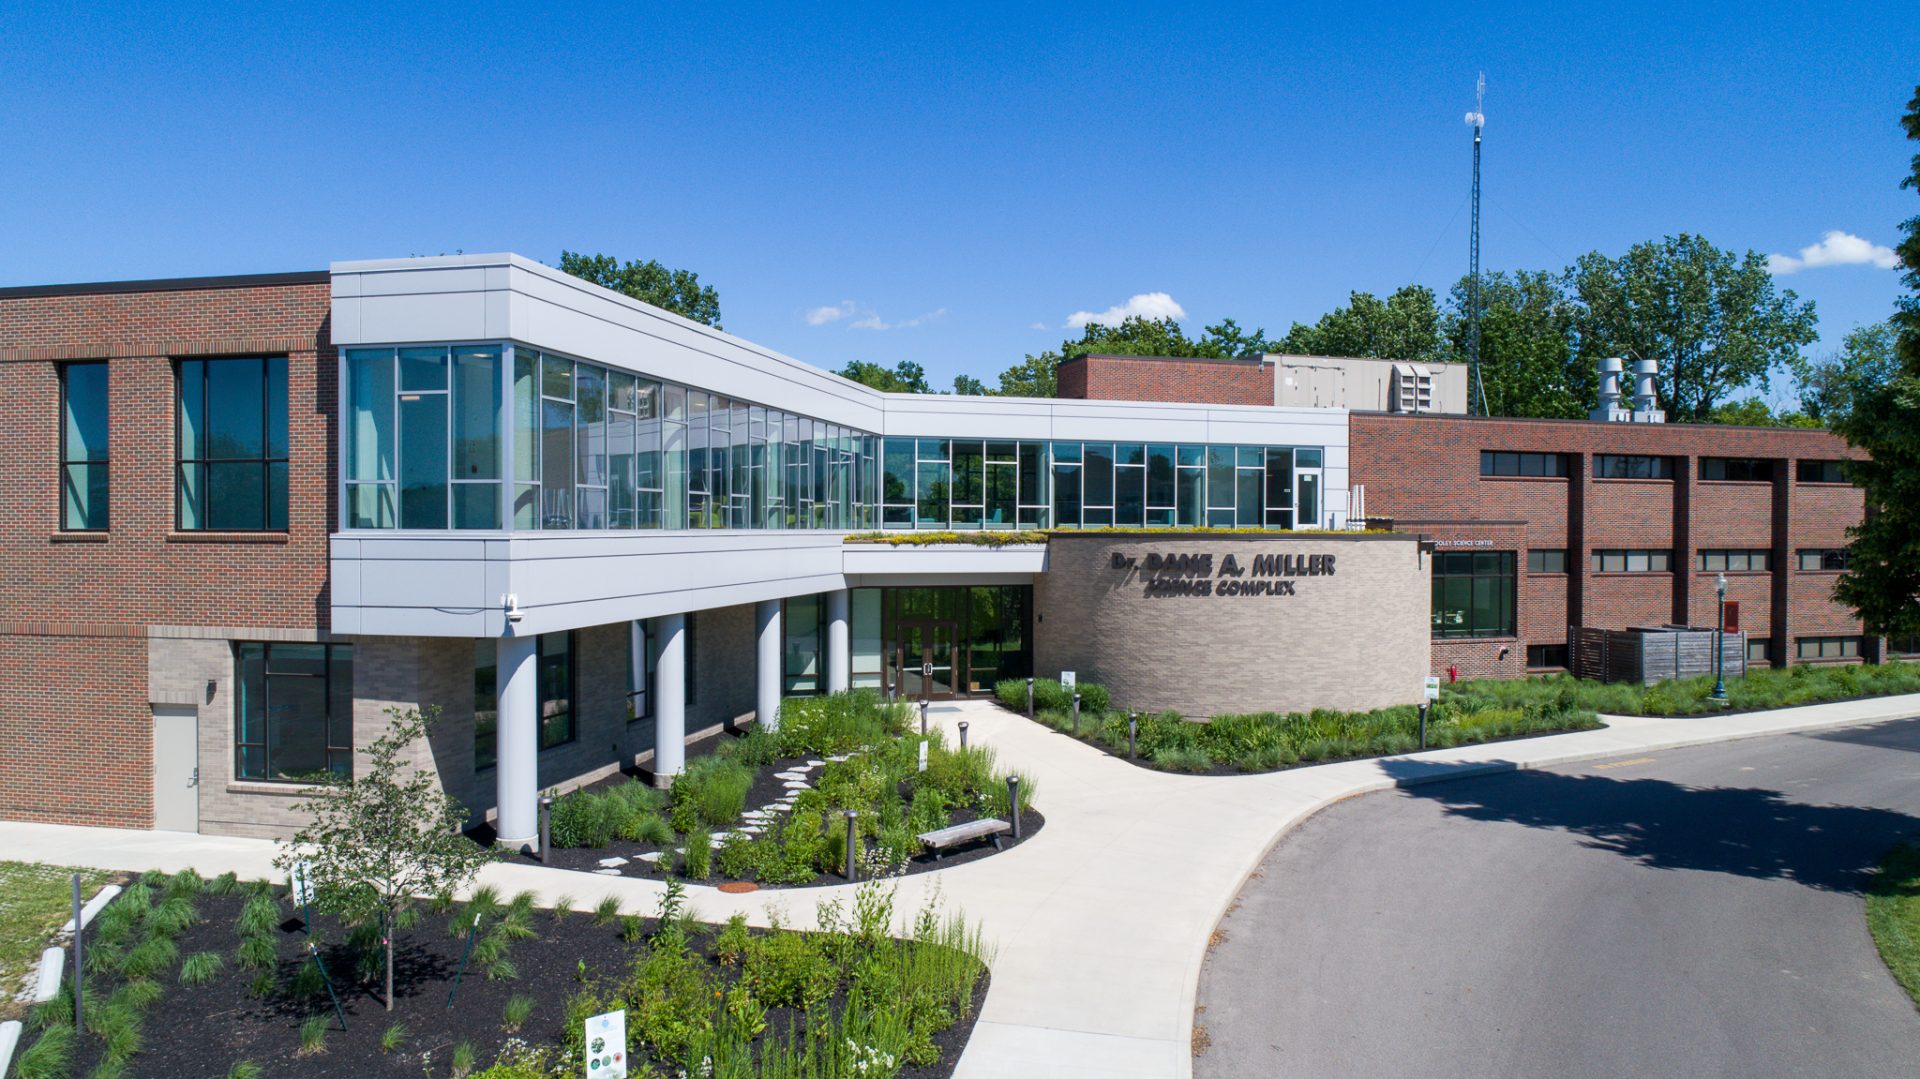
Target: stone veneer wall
(1355, 639)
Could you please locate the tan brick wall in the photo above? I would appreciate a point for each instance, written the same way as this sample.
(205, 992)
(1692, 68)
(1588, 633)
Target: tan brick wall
(1355, 639)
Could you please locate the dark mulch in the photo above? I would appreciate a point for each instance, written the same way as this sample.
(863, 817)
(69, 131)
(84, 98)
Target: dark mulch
(200, 1031)
(767, 787)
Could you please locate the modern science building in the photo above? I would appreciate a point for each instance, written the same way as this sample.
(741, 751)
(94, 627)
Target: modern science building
(253, 514)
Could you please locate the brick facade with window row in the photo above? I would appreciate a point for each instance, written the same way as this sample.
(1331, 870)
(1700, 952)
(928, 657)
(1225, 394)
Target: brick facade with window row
(1426, 473)
(1198, 380)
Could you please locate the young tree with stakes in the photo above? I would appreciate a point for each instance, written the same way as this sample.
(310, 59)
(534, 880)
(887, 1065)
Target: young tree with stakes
(386, 836)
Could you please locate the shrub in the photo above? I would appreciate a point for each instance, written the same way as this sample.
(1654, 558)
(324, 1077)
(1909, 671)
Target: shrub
(756, 748)
(787, 970)
(150, 957)
(838, 723)
(699, 854)
(200, 968)
(258, 916)
(740, 856)
(589, 818)
(713, 790)
(730, 947)
(256, 952)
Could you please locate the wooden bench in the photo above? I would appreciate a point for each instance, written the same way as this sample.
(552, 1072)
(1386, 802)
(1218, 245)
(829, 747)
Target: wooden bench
(956, 834)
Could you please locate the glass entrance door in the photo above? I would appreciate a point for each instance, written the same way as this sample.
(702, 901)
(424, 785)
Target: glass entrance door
(923, 658)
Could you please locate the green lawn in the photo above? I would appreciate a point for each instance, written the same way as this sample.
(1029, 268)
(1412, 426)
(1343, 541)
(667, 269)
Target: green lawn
(1893, 915)
(35, 901)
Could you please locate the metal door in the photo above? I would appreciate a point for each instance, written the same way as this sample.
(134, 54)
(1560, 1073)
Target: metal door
(176, 768)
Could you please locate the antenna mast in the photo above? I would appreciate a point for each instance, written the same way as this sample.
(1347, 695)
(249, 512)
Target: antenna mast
(1476, 394)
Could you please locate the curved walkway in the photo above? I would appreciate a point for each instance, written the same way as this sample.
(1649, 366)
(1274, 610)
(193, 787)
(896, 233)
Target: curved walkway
(1100, 922)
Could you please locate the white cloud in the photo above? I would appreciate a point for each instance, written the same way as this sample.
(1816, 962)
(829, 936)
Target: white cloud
(820, 316)
(1039, 326)
(873, 321)
(1155, 305)
(1836, 248)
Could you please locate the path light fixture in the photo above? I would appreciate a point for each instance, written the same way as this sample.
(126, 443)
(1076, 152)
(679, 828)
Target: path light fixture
(1423, 724)
(1720, 642)
(1029, 698)
(923, 717)
(546, 827)
(853, 842)
(1013, 803)
(1076, 711)
(1133, 733)
(963, 734)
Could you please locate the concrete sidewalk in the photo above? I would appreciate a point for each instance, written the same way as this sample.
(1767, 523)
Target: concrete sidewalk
(1101, 921)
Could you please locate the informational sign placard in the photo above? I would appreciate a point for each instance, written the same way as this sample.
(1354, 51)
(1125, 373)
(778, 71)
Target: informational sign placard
(1433, 687)
(1066, 681)
(301, 883)
(607, 1045)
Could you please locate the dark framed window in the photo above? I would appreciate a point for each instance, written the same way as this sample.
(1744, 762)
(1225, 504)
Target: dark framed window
(1735, 559)
(555, 676)
(486, 703)
(1632, 560)
(295, 711)
(1473, 594)
(1759, 649)
(1826, 647)
(1546, 655)
(1820, 471)
(1904, 646)
(231, 444)
(1628, 466)
(1823, 558)
(1752, 469)
(803, 651)
(83, 446)
(1503, 463)
(1547, 560)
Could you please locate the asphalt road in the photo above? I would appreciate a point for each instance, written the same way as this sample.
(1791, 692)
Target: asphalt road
(1694, 912)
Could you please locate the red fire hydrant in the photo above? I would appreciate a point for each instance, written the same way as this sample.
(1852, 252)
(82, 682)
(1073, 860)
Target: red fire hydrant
(1453, 673)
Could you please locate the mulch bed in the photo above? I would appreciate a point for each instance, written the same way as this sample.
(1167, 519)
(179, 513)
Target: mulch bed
(767, 787)
(199, 1031)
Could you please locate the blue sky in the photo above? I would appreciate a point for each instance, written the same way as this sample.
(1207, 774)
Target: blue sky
(952, 179)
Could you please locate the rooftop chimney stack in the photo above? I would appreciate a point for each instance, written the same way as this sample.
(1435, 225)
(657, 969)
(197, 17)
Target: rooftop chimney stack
(1613, 406)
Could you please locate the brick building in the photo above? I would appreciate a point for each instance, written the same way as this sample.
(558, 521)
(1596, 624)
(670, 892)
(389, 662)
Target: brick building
(247, 516)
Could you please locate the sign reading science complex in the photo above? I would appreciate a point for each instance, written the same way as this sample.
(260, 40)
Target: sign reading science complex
(1204, 575)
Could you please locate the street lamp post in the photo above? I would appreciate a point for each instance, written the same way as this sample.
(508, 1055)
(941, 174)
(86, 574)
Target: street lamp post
(1720, 641)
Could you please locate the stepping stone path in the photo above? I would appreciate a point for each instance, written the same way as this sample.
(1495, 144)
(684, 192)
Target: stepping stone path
(607, 872)
(650, 856)
(790, 775)
(610, 863)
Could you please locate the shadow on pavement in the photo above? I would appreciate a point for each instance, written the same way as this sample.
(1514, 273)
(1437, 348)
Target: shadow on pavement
(1901, 734)
(1664, 825)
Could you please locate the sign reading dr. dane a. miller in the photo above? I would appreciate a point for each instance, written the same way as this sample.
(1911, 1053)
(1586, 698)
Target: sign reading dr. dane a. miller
(1201, 575)
(607, 1045)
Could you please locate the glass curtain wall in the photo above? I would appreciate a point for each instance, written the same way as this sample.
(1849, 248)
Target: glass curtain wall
(593, 448)
(964, 484)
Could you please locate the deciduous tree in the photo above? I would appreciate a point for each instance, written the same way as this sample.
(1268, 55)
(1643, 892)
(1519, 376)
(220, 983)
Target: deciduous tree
(1865, 361)
(1404, 326)
(386, 836)
(679, 291)
(1882, 582)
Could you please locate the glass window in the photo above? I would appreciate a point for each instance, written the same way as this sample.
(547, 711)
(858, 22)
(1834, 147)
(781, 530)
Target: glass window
(1827, 647)
(83, 446)
(1823, 558)
(1096, 475)
(1473, 594)
(1632, 560)
(1546, 655)
(1547, 560)
(804, 621)
(1748, 469)
(476, 439)
(1820, 471)
(1632, 467)
(486, 704)
(371, 479)
(423, 458)
(1737, 560)
(294, 715)
(1503, 463)
(231, 468)
(867, 643)
(1759, 650)
(556, 686)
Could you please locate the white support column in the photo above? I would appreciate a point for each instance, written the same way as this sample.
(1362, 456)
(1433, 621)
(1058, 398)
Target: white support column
(838, 663)
(769, 624)
(670, 700)
(517, 742)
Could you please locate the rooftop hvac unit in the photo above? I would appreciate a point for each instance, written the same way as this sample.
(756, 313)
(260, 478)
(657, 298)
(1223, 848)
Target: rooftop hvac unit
(1412, 388)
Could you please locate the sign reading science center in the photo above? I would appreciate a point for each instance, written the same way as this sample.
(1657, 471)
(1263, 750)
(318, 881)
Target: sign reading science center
(1224, 574)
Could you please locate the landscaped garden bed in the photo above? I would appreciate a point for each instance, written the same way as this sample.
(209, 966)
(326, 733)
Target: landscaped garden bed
(1270, 741)
(1760, 689)
(35, 901)
(197, 978)
(767, 807)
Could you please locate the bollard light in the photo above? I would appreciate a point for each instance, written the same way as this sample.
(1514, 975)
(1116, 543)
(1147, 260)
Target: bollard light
(963, 734)
(1076, 711)
(546, 826)
(1013, 803)
(1029, 698)
(1423, 724)
(1133, 732)
(923, 718)
(853, 841)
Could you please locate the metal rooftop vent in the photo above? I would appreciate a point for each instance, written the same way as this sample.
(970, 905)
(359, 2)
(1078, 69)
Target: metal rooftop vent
(1613, 407)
